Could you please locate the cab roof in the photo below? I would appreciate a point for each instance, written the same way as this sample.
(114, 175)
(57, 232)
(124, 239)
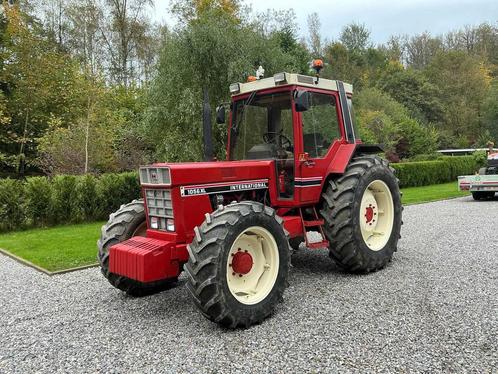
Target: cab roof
(286, 79)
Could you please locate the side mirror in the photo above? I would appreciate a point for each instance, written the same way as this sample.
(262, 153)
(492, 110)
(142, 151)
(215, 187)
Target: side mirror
(220, 114)
(302, 101)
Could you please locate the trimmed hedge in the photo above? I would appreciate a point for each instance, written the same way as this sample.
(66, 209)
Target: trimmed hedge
(42, 201)
(446, 169)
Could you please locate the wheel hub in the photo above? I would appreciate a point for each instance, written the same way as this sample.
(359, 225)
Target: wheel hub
(369, 214)
(242, 262)
(370, 210)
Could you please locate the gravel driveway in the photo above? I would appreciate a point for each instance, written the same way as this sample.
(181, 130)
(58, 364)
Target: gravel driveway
(434, 308)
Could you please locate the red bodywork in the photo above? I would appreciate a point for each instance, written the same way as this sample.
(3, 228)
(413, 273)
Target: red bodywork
(161, 254)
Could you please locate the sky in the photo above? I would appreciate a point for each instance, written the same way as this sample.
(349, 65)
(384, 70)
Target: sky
(382, 17)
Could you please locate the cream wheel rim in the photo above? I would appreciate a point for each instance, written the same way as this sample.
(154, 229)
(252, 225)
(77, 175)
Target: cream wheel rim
(376, 215)
(252, 265)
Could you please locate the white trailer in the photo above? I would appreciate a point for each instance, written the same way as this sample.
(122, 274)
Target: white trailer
(485, 184)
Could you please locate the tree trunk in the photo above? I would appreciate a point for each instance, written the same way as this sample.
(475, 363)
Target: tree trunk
(22, 158)
(206, 126)
(87, 133)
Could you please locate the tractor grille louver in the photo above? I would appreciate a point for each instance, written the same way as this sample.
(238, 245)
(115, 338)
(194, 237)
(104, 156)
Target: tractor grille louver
(159, 205)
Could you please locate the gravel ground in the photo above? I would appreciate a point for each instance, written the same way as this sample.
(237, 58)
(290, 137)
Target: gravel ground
(434, 308)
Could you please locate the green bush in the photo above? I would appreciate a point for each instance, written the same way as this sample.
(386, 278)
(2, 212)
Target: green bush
(444, 170)
(12, 207)
(86, 203)
(64, 199)
(426, 157)
(39, 202)
(130, 187)
(107, 193)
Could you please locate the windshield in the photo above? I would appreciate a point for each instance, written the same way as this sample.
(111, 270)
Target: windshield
(262, 127)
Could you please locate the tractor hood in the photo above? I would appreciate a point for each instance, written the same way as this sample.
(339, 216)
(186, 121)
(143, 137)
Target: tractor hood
(196, 173)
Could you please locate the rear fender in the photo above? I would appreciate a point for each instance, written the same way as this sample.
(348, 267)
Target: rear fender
(343, 157)
(346, 152)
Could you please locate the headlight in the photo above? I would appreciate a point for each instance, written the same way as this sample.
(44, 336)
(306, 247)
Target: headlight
(170, 224)
(154, 223)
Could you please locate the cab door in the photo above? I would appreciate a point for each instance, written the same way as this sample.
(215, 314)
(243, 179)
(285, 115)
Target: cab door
(320, 134)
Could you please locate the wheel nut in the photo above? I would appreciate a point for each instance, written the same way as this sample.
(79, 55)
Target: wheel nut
(240, 275)
(233, 273)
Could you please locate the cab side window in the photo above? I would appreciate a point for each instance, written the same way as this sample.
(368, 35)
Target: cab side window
(320, 125)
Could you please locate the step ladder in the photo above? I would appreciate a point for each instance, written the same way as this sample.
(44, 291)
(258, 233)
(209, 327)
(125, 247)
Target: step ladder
(315, 223)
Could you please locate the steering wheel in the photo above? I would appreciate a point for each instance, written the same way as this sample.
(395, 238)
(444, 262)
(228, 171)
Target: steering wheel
(270, 136)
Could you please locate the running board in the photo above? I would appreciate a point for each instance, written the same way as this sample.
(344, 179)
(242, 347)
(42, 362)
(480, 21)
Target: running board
(316, 223)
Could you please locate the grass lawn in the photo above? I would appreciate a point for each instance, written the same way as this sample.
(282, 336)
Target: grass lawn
(55, 248)
(64, 247)
(414, 195)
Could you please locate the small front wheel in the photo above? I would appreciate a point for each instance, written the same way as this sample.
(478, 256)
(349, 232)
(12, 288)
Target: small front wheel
(238, 264)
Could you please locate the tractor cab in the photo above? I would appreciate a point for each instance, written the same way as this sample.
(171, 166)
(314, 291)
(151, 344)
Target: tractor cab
(295, 120)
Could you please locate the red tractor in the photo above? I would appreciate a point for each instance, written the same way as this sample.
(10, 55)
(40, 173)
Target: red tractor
(295, 165)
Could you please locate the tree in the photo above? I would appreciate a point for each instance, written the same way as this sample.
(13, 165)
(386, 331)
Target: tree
(463, 82)
(189, 10)
(490, 112)
(394, 49)
(480, 40)
(355, 37)
(411, 88)
(220, 50)
(421, 49)
(55, 20)
(315, 37)
(38, 81)
(84, 39)
(385, 121)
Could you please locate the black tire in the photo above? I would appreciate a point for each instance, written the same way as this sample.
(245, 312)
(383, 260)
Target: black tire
(207, 264)
(122, 225)
(483, 195)
(340, 209)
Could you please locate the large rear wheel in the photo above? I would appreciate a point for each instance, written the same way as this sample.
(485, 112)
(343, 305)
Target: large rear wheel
(362, 210)
(238, 264)
(126, 222)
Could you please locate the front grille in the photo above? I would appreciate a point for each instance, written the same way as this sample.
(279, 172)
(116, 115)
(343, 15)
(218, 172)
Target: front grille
(159, 205)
